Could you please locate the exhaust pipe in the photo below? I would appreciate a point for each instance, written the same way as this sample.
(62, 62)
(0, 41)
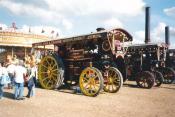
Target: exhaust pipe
(167, 41)
(147, 25)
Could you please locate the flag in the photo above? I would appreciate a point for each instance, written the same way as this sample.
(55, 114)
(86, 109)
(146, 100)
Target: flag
(52, 31)
(14, 25)
(29, 30)
(57, 34)
(42, 31)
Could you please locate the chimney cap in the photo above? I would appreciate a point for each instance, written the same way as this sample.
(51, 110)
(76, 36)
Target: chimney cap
(100, 29)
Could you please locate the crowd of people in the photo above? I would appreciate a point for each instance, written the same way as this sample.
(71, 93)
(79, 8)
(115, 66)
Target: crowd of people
(14, 74)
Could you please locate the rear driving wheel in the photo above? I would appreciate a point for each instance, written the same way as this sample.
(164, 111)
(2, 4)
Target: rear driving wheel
(50, 72)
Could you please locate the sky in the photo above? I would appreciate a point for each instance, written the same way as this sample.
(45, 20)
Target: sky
(76, 17)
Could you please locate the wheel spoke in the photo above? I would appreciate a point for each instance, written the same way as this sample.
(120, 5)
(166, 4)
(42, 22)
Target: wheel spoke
(47, 83)
(85, 79)
(141, 83)
(44, 72)
(47, 62)
(44, 66)
(86, 86)
(111, 72)
(55, 74)
(55, 70)
(54, 79)
(54, 66)
(112, 87)
(44, 79)
(96, 89)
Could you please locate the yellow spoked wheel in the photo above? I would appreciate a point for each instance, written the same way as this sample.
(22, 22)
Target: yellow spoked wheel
(91, 81)
(113, 80)
(49, 72)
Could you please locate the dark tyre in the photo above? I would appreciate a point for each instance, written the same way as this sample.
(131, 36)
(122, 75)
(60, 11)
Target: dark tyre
(145, 79)
(168, 74)
(158, 78)
(113, 80)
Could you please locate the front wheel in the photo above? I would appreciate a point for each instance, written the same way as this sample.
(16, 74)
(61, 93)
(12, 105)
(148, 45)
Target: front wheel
(145, 79)
(168, 74)
(113, 80)
(158, 78)
(91, 81)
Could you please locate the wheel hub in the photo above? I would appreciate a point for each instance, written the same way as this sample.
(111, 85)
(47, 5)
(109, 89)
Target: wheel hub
(110, 81)
(92, 81)
(49, 71)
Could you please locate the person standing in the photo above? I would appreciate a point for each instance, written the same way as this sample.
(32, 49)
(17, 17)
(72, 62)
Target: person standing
(4, 79)
(31, 83)
(19, 74)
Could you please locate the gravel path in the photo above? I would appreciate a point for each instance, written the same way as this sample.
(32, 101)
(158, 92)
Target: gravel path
(130, 101)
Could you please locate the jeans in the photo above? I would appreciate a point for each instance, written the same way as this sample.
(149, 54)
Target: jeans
(31, 91)
(31, 87)
(12, 84)
(1, 90)
(19, 89)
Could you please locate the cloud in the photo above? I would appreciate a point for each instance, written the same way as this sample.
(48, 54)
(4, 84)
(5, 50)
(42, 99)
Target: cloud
(28, 9)
(157, 35)
(172, 31)
(170, 11)
(3, 26)
(113, 22)
(87, 7)
(65, 13)
(67, 24)
(33, 11)
(139, 37)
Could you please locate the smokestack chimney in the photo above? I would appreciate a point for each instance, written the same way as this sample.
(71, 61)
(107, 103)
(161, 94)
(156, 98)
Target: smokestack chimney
(147, 25)
(167, 41)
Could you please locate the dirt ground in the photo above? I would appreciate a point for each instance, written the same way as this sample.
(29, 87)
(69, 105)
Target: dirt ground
(130, 101)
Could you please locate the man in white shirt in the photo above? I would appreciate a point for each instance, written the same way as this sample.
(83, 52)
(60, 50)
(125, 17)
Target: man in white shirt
(19, 74)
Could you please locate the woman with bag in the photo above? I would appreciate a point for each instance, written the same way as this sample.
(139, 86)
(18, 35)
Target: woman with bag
(4, 79)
